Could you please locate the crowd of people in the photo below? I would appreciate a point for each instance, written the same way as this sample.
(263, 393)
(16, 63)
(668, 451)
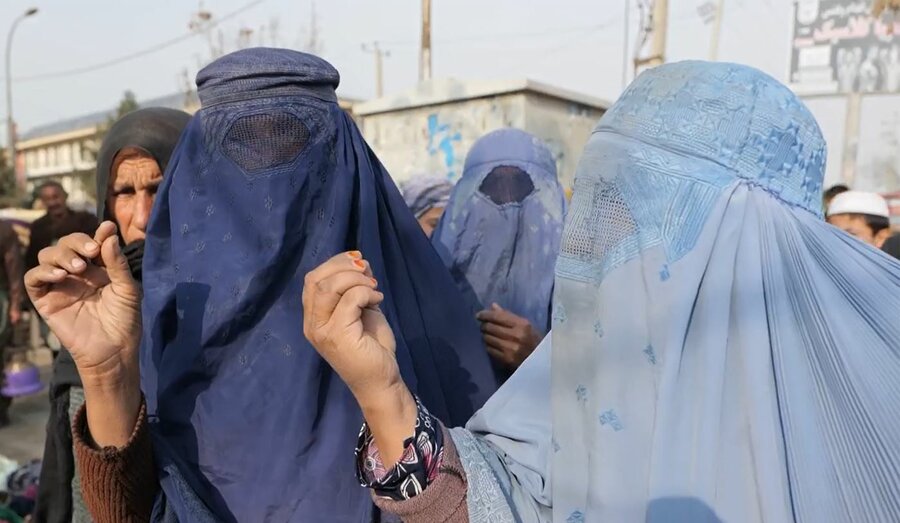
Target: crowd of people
(694, 337)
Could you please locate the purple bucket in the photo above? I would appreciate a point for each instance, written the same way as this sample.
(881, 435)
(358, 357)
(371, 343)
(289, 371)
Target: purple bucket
(21, 381)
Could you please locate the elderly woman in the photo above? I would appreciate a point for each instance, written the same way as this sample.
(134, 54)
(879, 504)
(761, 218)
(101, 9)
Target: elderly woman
(500, 236)
(130, 167)
(209, 404)
(719, 352)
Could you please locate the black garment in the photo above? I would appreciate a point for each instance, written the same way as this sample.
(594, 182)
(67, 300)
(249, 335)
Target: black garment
(134, 253)
(892, 246)
(54, 500)
(156, 131)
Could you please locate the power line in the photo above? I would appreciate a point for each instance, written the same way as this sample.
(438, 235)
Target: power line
(553, 51)
(137, 54)
(379, 54)
(498, 36)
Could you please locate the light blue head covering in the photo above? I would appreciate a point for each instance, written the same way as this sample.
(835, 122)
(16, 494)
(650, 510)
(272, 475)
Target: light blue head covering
(423, 193)
(500, 232)
(719, 353)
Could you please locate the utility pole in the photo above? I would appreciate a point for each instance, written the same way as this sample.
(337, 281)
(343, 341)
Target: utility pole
(851, 138)
(10, 122)
(313, 43)
(660, 28)
(425, 51)
(716, 31)
(659, 23)
(379, 53)
(202, 23)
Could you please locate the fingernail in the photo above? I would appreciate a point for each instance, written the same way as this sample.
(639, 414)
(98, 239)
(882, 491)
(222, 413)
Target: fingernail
(77, 263)
(355, 254)
(359, 263)
(117, 249)
(374, 281)
(90, 246)
(59, 272)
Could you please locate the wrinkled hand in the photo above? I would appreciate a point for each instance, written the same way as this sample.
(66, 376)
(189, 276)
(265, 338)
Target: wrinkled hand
(342, 320)
(510, 339)
(84, 291)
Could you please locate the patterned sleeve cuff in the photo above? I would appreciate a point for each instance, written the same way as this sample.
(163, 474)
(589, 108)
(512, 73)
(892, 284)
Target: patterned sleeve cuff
(417, 467)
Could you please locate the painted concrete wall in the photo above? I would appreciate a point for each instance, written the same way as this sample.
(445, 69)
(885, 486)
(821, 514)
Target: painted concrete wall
(436, 138)
(565, 126)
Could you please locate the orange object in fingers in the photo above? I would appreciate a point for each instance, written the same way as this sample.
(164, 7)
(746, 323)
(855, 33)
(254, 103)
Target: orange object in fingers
(359, 263)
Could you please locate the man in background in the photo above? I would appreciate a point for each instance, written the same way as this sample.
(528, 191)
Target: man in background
(864, 215)
(59, 221)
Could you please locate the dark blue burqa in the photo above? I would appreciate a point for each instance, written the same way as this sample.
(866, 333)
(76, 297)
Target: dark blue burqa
(270, 179)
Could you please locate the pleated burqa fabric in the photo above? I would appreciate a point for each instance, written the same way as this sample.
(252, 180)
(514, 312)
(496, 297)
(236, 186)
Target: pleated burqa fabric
(719, 352)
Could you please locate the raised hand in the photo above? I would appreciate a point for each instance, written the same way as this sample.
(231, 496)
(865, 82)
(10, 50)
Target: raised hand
(342, 320)
(84, 291)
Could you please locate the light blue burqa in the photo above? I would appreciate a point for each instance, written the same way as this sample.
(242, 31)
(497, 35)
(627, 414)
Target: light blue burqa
(500, 232)
(719, 353)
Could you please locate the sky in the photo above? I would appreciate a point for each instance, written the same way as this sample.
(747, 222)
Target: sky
(574, 44)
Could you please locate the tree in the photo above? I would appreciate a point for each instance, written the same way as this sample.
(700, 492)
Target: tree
(127, 104)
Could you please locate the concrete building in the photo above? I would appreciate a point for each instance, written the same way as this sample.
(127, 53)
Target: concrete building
(65, 151)
(431, 127)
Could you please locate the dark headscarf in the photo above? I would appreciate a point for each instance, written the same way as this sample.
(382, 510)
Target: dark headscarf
(154, 130)
(271, 179)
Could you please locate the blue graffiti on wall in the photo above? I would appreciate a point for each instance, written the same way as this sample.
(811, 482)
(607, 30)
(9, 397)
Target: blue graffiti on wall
(440, 140)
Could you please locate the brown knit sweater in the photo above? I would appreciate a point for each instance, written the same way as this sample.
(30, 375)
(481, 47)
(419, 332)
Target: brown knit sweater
(119, 485)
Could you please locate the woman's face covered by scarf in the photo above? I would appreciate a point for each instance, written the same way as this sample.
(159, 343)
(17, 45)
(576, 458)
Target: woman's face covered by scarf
(130, 167)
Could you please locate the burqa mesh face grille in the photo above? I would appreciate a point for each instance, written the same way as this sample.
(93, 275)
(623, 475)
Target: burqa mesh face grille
(263, 141)
(599, 227)
(506, 184)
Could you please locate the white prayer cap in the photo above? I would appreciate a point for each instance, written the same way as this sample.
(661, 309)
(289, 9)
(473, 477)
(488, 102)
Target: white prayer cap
(859, 202)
